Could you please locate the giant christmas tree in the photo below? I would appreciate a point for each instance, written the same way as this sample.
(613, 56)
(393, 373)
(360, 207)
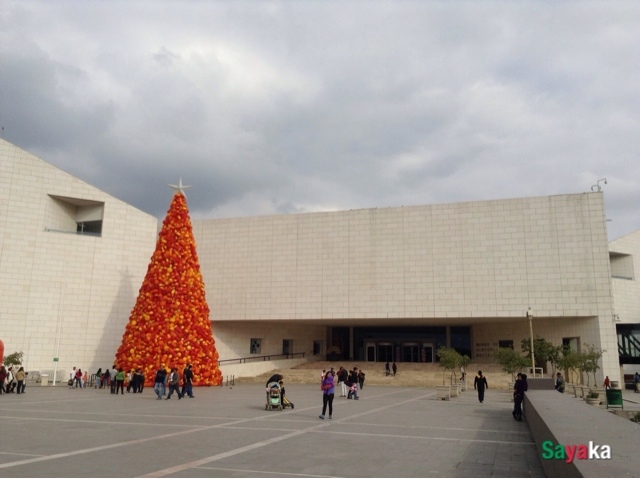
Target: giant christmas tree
(169, 324)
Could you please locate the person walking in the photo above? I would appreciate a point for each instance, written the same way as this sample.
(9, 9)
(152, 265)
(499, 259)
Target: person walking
(480, 384)
(161, 376)
(174, 383)
(387, 369)
(607, 383)
(519, 389)
(328, 390)
(352, 384)
(636, 382)
(188, 382)
(394, 368)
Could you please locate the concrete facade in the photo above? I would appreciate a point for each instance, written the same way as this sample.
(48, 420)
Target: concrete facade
(480, 265)
(65, 294)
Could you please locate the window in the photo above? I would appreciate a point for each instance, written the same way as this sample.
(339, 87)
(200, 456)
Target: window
(74, 215)
(287, 346)
(317, 347)
(505, 343)
(254, 347)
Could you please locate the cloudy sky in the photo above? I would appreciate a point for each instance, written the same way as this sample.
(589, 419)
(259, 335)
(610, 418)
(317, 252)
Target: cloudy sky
(284, 107)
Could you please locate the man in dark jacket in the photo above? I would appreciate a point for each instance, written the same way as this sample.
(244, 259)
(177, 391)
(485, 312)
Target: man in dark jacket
(187, 379)
(161, 377)
(518, 395)
(480, 384)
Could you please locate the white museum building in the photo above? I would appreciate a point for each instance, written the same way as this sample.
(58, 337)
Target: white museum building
(369, 285)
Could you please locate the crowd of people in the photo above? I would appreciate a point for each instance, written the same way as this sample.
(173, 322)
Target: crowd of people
(12, 380)
(348, 381)
(116, 380)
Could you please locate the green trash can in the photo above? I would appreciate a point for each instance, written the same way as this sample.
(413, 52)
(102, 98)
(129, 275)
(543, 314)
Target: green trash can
(614, 398)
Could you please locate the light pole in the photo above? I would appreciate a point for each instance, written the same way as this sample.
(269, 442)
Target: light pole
(533, 361)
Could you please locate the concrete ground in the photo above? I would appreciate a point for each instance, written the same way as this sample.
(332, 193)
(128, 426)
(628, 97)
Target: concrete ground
(226, 432)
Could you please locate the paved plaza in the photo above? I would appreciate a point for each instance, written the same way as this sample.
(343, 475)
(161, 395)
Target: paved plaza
(226, 432)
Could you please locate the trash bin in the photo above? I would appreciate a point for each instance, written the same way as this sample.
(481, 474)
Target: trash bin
(614, 398)
(44, 378)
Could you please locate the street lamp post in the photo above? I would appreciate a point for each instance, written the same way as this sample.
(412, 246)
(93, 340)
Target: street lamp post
(533, 361)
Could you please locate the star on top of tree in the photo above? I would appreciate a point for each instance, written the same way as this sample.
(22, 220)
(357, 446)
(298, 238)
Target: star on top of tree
(179, 187)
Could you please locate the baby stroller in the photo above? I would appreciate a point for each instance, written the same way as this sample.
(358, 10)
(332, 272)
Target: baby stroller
(273, 397)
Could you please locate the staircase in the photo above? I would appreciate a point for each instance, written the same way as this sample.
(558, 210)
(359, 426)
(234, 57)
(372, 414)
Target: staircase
(408, 375)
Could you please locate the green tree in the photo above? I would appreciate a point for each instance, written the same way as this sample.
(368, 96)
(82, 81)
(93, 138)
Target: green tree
(13, 359)
(543, 351)
(589, 359)
(570, 361)
(510, 360)
(450, 360)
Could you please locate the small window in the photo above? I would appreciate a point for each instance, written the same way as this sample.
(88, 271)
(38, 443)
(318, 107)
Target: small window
(254, 348)
(505, 343)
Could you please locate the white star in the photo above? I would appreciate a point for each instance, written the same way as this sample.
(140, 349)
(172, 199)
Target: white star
(180, 187)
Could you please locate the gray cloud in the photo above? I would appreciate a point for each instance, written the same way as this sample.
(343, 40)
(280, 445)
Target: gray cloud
(280, 107)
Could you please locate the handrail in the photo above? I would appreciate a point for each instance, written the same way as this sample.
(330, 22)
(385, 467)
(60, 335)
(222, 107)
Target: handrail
(267, 357)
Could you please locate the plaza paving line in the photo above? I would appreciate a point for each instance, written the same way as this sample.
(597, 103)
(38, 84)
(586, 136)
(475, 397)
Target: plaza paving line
(155, 438)
(259, 444)
(428, 438)
(261, 473)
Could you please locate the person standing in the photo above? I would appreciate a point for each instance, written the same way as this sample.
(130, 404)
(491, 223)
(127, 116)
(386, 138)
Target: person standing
(188, 382)
(98, 383)
(78, 383)
(387, 369)
(161, 376)
(120, 375)
(607, 383)
(140, 380)
(174, 383)
(9, 379)
(3, 377)
(394, 368)
(328, 390)
(361, 379)
(343, 375)
(106, 379)
(480, 384)
(519, 389)
(72, 377)
(113, 383)
(20, 375)
(636, 382)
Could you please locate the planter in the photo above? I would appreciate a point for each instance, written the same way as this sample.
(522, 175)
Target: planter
(593, 401)
(453, 390)
(443, 392)
(463, 385)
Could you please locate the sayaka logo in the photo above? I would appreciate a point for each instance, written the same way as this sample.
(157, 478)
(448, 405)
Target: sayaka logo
(569, 453)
